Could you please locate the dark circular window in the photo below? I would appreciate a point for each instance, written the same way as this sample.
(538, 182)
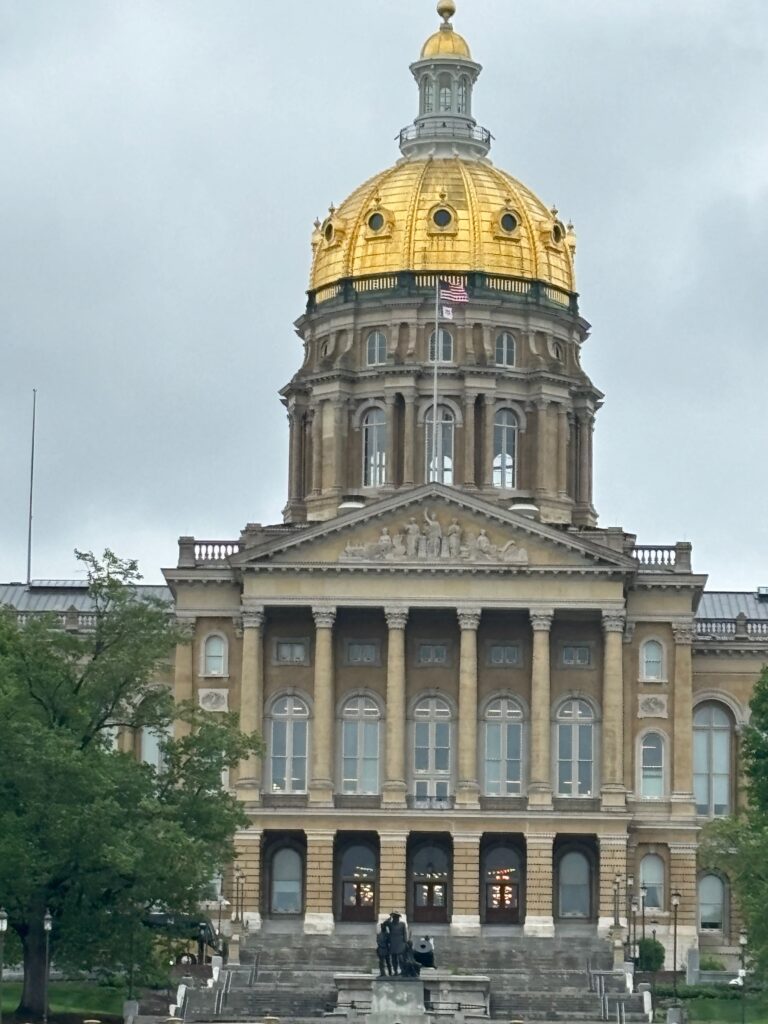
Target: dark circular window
(557, 233)
(328, 232)
(376, 222)
(442, 218)
(509, 222)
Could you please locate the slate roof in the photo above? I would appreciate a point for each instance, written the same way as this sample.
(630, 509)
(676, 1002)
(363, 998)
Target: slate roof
(60, 595)
(727, 604)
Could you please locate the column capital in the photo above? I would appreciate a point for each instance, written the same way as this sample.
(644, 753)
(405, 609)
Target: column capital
(324, 616)
(469, 618)
(683, 634)
(541, 619)
(614, 622)
(253, 618)
(396, 616)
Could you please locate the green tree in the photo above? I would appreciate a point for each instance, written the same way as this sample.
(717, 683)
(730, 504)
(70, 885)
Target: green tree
(739, 845)
(88, 831)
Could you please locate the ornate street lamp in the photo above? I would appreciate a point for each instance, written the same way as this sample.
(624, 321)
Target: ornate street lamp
(616, 887)
(675, 905)
(643, 895)
(47, 926)
(743, 972)
(3, 930)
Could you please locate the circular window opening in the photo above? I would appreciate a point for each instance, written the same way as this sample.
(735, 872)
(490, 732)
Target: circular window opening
(376, 222)
(442, 218)
(509, 222)
(328, 232)
(557, 234)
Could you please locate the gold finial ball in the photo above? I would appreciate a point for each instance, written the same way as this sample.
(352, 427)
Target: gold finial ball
(446, 9)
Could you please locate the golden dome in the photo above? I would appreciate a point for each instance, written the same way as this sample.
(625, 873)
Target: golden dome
(447, 214)
(446, 43)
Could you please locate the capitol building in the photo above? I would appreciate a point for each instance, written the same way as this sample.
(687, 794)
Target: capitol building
(479, 706)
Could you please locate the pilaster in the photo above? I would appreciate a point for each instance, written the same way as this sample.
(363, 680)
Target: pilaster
(469, 439)
(318, 913)
(613, 793)
(395, 788)
(682, 710)
(468, 790)
(392, 874)
(538, 916)
(251, 698)
(409, 438)
(321, 784)
(540, 786)
(248, 852)
(184, 674)
(613, 862)
(465, 919)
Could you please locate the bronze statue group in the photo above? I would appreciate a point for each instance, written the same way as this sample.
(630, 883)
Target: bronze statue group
(396, 952)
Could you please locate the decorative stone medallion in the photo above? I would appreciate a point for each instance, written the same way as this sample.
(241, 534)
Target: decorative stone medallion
(213, 700)
(652, 706)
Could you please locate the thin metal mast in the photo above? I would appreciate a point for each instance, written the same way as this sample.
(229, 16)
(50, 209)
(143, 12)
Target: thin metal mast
(434, 381)
(31, 487)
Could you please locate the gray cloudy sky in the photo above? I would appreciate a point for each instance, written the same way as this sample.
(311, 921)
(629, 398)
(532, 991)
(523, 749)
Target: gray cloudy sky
(163, 160)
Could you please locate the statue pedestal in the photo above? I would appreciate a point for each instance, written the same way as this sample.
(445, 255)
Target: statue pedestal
(400, 1001)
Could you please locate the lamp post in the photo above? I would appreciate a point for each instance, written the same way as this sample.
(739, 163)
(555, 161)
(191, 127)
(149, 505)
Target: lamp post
(242, 896)
(634, 909)
(47, 925)
(628, 894)
(743, 972)
(643, 895)
(236, 917)
(675, 905)
(616, 886)
(3, 930)
(653, 936)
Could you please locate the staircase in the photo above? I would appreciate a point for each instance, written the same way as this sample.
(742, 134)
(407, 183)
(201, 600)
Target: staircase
(291, 977)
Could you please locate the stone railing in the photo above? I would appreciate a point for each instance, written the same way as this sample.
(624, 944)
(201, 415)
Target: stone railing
(740, 628)
(663, 557)
(193, 552)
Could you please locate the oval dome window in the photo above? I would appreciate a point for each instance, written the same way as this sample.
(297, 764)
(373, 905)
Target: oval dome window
(442, 218)
(376, 222)
(509, 222)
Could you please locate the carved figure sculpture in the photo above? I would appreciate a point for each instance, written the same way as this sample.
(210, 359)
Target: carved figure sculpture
(412, 535)
(454, 538)
(434, 535)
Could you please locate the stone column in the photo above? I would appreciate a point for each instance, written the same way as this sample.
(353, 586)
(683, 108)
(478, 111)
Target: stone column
(540, 786)
(321, 740)
(395, 785)
(390, 474)
(409, 438)
(248, 851)
(392, 872)
(585, 444)
(251, 698)
(613, 861)
(184, 673)
(339, 443)
(541, 446)
(317, 448)
(613, 794)
(682, 715)
(562, 451)
(469, 438)
(465, 918)
(294, 473)
(318, 912)
(539, 896)
(486, 470)
(468, 790)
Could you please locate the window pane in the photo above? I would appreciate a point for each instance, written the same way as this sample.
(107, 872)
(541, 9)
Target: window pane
(564, 741)
(585, 742)
(700, 748)
(585, 778)
(720, 752)
(299, 782)
(370, 739)
(278, 774)
(514, 741)
(493, 741)
(349, 739)
(278, 738)
(299, 738)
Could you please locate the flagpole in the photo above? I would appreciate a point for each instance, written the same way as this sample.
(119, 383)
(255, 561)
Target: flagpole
(434, 379)
(31, 486)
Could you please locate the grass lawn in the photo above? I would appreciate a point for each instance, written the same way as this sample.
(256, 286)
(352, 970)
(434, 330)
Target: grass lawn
(728, 1011)
(70, 997)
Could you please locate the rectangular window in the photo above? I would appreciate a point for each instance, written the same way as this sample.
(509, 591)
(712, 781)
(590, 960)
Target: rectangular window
(504, 655)
(363, 652)
(291, 652)
(433, 654)
(577, 655)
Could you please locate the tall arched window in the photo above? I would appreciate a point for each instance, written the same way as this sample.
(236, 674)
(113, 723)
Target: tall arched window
(439, 464)
(288, 745)
(376, 348)
(374, 448)
(505, 349)
(444, 349)
(445, 90)
(712, 759)
(652, 765)
(652, 877)
(287, 882)
(711, 903)
(152, 742)
(462, 104)
(430, 871)
(428, 94)
(432, 749)
(502, 875)
(360, 746)
(652, 661)
(574, 889)
(505, 449)
(215, 655)
(358, 883)
(503, 748)
(575, 743)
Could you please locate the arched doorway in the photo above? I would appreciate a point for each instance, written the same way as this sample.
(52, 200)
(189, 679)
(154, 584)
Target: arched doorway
(286, 881)
(502, 882)
(574, 895)
(430, 875)
(358, 878)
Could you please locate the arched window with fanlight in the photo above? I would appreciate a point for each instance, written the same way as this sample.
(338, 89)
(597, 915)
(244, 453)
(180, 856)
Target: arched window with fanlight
(503, 736)
(444, 94)
(505, 349)
(214, 655)
(360, 721)
(575, 749)
(288, 742)
(432, 749)
(652, 765)
(652, 661)
(652, 878)
(374, 448)
(376, 348)
(712, 731)
(711, 892)
(505, 427)
(286, 882)
(439, 455)
(443, 352)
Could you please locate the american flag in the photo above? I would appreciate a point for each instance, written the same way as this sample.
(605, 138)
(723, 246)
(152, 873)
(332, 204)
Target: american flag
(453, 292)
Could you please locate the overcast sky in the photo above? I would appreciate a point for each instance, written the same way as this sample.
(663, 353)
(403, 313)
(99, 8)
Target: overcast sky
(162, 163)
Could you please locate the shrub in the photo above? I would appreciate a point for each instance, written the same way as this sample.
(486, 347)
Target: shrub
(651, 954)
(711, 963)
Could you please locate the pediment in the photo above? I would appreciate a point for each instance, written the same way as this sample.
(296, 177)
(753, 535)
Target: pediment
(433, 528)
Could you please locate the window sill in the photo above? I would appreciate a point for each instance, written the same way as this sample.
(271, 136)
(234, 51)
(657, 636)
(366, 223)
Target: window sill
(284, 799)
(573, 803)
(503, 803)
(215, 679)
(430, 803)
(362, 801)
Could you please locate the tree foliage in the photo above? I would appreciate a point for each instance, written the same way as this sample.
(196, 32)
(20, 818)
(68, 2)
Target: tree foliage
(651, 955)
(738, 846)
(86, 830)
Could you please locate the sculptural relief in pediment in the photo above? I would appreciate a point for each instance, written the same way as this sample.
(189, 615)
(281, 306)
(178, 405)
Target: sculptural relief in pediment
(435, 540)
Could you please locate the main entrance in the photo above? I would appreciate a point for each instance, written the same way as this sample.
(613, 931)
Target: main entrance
(429, 874)
(502, 878)
(358, 877)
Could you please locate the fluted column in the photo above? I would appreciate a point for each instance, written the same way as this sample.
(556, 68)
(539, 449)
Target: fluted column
(395, 786)
(541, 446)
(469, 438)
(321, 785)
(409, 439)
(486, 470)
(294, 473)
(468, 790)
(562, 451)
(339, 443)
(585, 444)
(682, 711)
(540, 786)
(251, 697)
(613, 712)
(184, 673)
(390, 469)
(317, 448)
